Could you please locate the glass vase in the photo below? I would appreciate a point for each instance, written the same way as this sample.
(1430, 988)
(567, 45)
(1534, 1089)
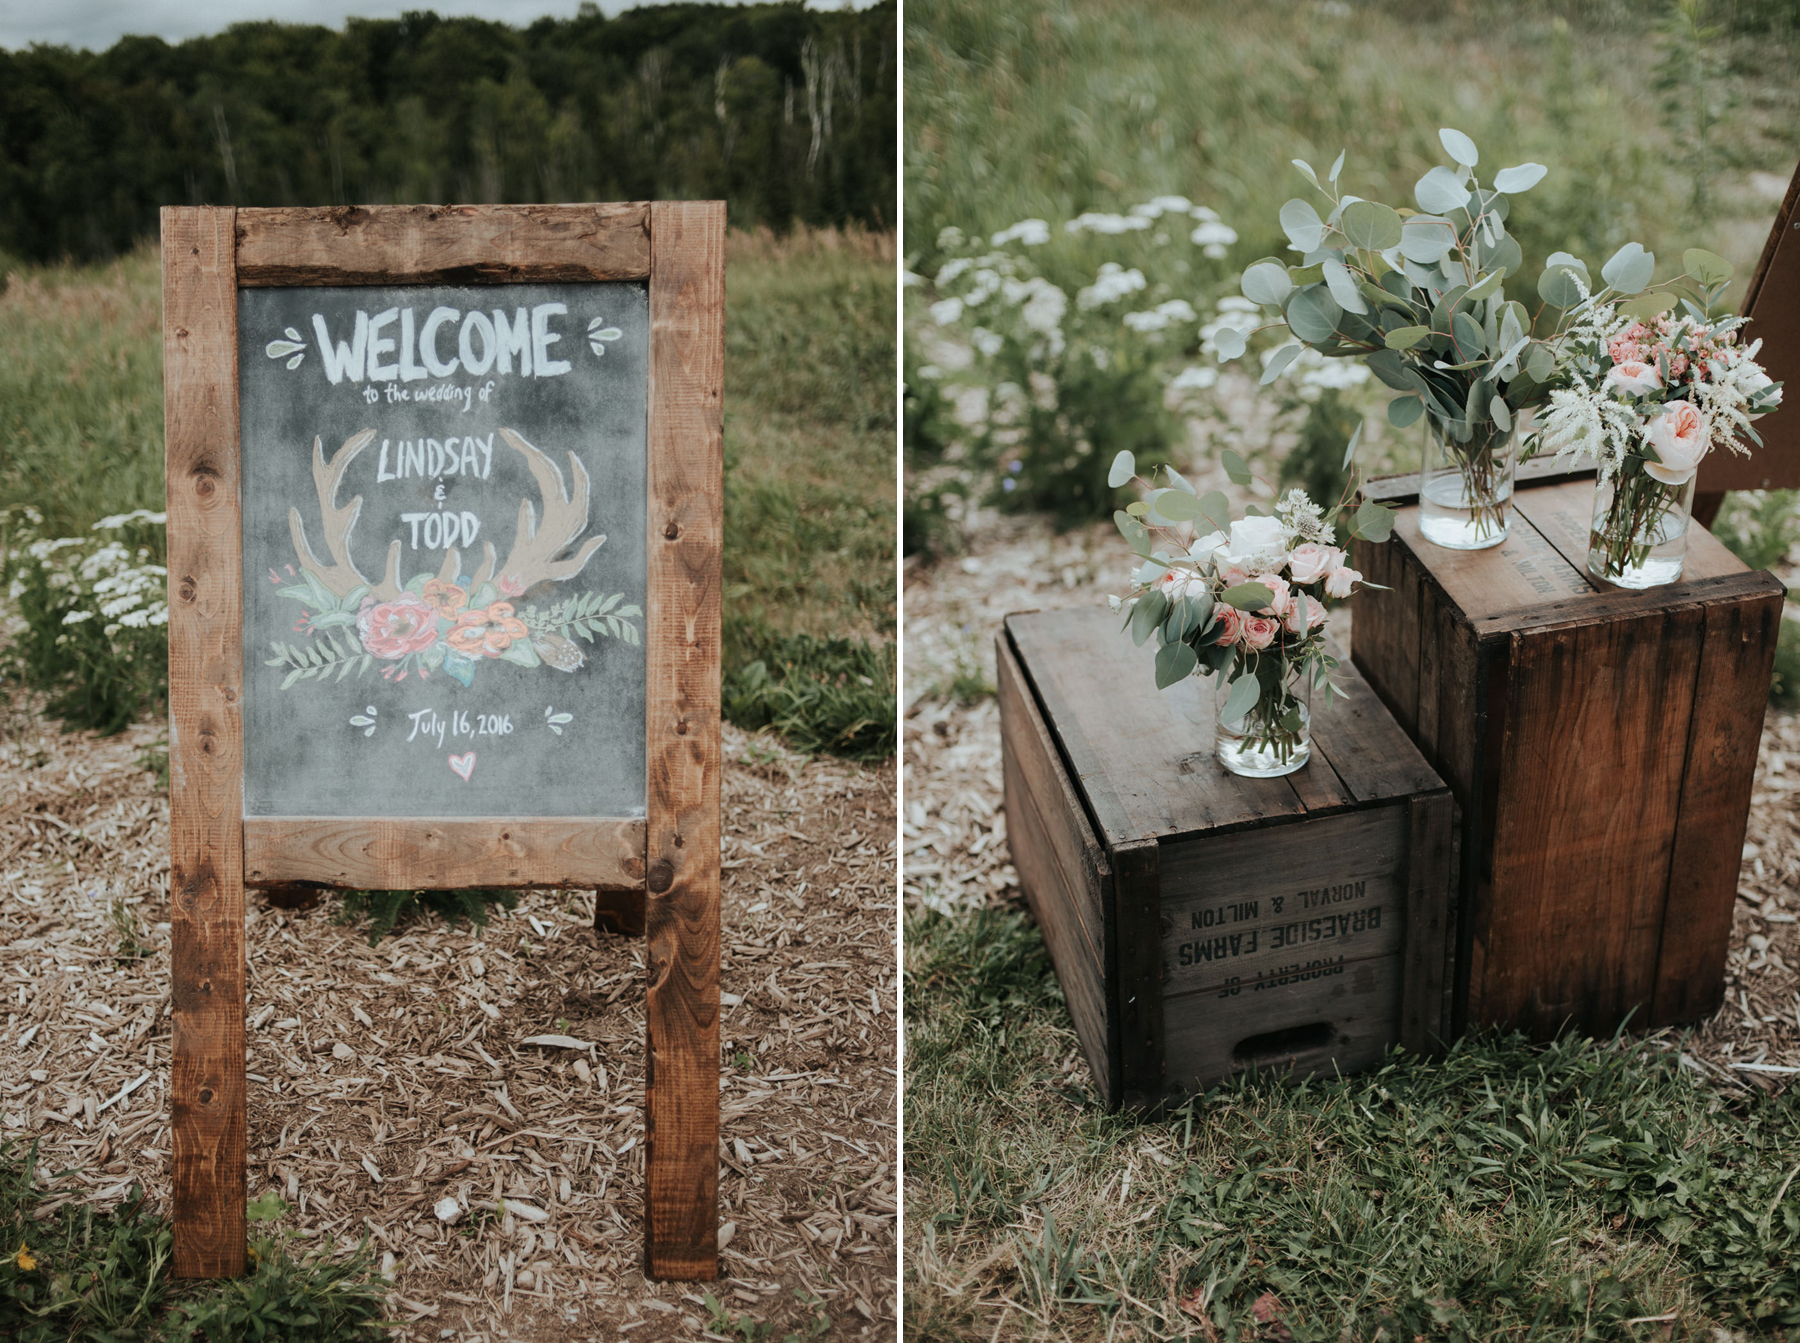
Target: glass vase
(1639, 534)
(1274, 737)
(1466, 488)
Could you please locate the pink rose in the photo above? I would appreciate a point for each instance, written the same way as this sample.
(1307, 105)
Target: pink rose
(1634, 377)
(1233, 574)
(1230, 625)
(1680, 439)
(1278, 589)
(1308, 614)
(1260, 632)
(1340, 581)
(391, 630)
(1311, 561)
(1179, 583)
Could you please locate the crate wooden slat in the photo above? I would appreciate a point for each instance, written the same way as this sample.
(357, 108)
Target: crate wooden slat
(1600, 744)
(1202, 923)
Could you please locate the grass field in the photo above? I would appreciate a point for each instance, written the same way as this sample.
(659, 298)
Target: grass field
(1587, 1191)
(809, 433)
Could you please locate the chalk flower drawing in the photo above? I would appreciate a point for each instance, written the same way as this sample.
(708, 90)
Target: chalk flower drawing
(295, 344)
(450, 620)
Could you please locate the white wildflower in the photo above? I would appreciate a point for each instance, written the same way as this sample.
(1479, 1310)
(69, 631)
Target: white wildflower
(1031, 232)
(1195, 378)
(953, 268)
(1111, 285)
(1212, 233)
(1096, 222)
(986, 341)
(947, 311)
(950, 238)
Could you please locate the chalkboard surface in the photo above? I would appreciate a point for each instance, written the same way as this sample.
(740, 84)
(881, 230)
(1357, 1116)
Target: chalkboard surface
(444, 502)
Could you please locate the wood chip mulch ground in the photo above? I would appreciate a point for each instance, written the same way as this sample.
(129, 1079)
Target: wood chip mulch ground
(954, 830)
(387, 1079)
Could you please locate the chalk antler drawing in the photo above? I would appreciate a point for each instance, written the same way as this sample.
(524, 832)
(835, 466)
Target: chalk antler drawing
(340, 577)
(451, 621)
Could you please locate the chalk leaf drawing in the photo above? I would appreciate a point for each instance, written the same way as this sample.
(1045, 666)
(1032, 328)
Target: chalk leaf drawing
(367, 724)
(556, 721)
(295, 344)
(451, 620)
(599, 335)
(464, 765)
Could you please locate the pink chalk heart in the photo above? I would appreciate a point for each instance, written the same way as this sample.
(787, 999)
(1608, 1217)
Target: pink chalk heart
(463, 764)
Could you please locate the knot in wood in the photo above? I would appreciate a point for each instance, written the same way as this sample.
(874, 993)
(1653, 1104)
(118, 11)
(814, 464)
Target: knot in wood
(205, 482)
(206, 1095)
(672, 531)
(662, 875)
(187, 589)
(681, 729)
(230, 693)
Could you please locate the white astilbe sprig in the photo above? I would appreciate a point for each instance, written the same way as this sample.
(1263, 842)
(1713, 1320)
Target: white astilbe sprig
(1303, 520)
(1585, 421)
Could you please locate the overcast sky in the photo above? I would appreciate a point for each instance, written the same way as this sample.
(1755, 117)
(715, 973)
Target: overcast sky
(97, 24)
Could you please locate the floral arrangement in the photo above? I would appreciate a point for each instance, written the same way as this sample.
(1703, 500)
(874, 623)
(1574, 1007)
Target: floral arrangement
(1647, 397)
(1243, 600)
(437, 623)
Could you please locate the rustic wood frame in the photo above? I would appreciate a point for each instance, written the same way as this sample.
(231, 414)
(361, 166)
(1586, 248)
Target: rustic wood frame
(661, 872)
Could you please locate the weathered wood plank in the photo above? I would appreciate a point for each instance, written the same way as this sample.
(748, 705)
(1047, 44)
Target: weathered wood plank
(401, 854)
(1256, 905)
(1731, 689)
(1580, 871)
(1062, 868)
(1429, 882)
(1404, 488)
(1334, 1022)
(206, 763)
(687, 300)
(1370, 754)
(442, 244)
(1564, 515)
(1138, 975)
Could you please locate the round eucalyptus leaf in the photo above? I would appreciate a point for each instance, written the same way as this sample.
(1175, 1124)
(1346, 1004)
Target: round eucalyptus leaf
(1522, 178)
(1124, 467)
(1337, 165)
(1229, 342)
(1425, 238)
(1267, 282)
(1558, 287)
(1279, 361)
(1630, 269)
(1372, 226)
(1242, 697)
(1438, 192)
(1541, 363)
(1459, 147)
(1405, 337)
(1573, 262)
(1343, 288)
(1313, 314)
(1707, 267)
(1404, 411)
(1302, 225)
(1500, 414)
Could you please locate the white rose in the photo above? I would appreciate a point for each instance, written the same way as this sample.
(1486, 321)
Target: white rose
(1204, 547)
(1633, 377)
(1340, 581)
(1253, 540)
(1754, 384)
(1680, 438)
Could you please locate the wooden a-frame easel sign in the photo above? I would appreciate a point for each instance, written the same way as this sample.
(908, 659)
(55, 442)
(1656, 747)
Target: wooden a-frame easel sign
(444, 535)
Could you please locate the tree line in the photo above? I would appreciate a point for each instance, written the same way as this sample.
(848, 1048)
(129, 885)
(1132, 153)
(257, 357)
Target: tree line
(785, 113)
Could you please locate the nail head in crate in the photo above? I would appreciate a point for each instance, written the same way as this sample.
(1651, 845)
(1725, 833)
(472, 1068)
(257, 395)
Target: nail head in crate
(1202, 923)
(1601, 745)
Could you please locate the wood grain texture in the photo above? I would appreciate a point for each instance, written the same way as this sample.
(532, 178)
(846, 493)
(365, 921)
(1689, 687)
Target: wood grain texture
(1736, 658)
(1596, 738)
(442, 244)
(1343, 1022)
(373, 854)
(1137, 911)
(206, 762)
(681, 915)
(1404, 488)
(1429, 882)
(1062, 869)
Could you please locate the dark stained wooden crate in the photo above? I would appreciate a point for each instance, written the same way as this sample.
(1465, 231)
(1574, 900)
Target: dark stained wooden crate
(1601, 745)
(1202, 923)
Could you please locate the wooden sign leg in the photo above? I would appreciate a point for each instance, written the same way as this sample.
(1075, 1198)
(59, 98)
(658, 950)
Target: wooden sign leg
(206, 803)
(687, 294)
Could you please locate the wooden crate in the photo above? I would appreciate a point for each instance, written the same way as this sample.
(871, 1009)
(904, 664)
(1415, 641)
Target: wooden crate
(1203, 923)
(1601, 746)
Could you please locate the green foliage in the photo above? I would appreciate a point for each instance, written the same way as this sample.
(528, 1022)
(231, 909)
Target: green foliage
(785, 113)
(1784, 683)
(833, 695)
(72, 1272)
(1760, 527)
(935, 489)
(1507, 1190)
(1316, 461)
(386, 909)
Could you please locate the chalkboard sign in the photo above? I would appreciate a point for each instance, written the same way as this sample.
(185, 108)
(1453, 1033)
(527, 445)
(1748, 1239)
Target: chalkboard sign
(444, 531)
(443, 514)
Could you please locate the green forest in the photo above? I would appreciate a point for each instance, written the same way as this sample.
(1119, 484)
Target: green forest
(785, 113)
